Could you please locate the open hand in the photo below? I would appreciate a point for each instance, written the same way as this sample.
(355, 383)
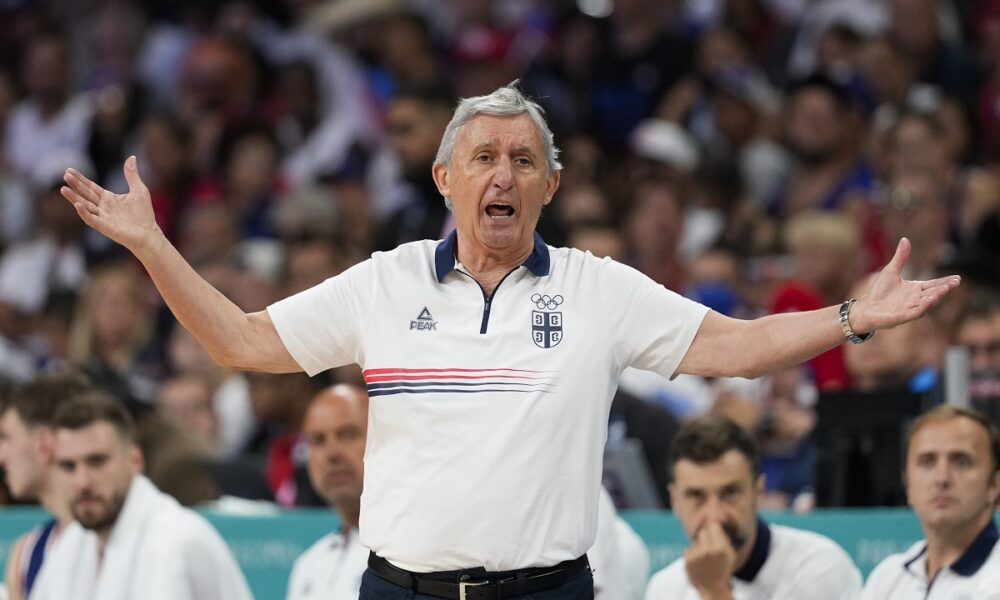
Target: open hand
(892, 300)
(126, 218)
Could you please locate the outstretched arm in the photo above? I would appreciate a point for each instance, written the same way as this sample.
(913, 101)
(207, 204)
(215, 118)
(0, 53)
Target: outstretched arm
(734, 347)
(233, 338)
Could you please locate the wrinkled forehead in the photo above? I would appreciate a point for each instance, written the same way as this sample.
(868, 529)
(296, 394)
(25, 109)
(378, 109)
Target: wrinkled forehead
(503, 131)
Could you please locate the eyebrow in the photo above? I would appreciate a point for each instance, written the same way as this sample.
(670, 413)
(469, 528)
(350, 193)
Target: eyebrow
(489, 145)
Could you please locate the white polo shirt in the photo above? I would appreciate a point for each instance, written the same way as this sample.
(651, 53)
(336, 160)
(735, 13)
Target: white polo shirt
(330, 569)
(488, 416)
(974, 576)
(785, 564)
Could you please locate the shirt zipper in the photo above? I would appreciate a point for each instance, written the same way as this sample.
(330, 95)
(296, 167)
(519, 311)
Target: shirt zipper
(487, 299)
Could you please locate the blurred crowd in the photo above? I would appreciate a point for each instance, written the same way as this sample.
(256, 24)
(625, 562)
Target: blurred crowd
(756, 155)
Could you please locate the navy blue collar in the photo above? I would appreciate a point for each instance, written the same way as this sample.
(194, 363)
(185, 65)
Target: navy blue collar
(977, 552)
(973, 557)
(761, 548)
(444, 257)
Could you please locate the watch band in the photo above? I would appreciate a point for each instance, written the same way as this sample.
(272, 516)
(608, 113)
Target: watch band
(845, 324)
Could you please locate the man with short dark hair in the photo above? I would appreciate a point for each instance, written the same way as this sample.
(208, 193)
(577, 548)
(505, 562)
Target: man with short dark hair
(335, 428)
(952, 478)
(129, 540)
(26, 453)
(734, 554)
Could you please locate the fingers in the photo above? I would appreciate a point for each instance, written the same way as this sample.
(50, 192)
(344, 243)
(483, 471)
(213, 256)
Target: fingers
(76, 199)
(900, 257)
(88, 217)
(135, 183)
(950, 282)
(83, 186)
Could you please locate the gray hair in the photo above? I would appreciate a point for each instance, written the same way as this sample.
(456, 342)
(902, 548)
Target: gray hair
(505, 101)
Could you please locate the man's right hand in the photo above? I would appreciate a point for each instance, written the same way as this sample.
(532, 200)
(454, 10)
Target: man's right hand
(126, 218)
(710, 562)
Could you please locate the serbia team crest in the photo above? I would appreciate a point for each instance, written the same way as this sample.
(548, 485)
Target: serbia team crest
(546, 326)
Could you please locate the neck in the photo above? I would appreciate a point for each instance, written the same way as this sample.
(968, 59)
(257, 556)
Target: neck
(56, 504)
(489, 267)
(744, 553)
(946, 544)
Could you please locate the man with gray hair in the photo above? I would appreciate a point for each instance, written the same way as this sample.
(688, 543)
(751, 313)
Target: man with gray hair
(491, 359)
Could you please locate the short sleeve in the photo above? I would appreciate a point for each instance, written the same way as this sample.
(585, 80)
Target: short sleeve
(653, 327)
(321, 326)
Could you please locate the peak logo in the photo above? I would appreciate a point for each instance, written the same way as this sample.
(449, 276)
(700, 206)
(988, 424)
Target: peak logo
(424, 322)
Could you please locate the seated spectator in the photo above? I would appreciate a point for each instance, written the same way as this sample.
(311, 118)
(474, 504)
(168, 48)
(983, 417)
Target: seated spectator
(279, 403)
(111, 337)
(50, 118)
(416, 119)
(978, 330)
(733, 552)
(26, 453)
(335, 428)
(827, 255)
(129, 540)
(952, 478)
(187, 400)
(54, 260)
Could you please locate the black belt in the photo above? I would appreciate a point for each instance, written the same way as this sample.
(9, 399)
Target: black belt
(476, 584)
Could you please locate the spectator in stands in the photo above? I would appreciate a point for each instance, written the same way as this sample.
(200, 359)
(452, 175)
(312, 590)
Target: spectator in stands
(826, 249)
(187, 400)
(335, 429)
(279, 404)
(53, 260)
(733, 552)
(111, 335)
(952, 478)
(129, 540)
(28, 459)
(416, 119)
(918, 209)
(822, 130)
(50, 119)
(978, 330)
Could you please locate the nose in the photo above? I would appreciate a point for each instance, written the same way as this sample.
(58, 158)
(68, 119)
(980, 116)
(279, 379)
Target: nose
(714, 511)
(503, 175)
(942, 474)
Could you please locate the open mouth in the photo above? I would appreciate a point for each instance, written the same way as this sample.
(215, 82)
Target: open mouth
(499, 210)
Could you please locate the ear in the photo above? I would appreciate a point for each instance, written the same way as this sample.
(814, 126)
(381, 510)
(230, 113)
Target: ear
(45, 443)
(552, 184)
(440, 173)
(996, 489)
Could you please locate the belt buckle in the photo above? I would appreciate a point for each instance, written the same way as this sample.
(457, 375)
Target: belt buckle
(464, 584)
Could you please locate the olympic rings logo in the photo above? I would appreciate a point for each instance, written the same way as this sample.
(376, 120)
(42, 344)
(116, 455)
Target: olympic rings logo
(546, 301)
